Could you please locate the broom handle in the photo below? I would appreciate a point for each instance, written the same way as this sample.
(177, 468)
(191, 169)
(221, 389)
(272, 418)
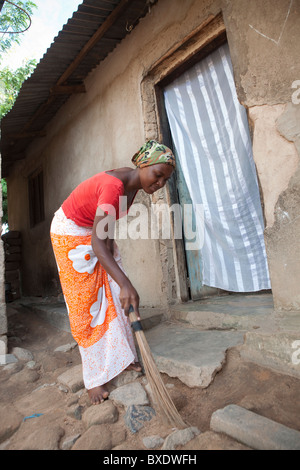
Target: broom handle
(135, 323)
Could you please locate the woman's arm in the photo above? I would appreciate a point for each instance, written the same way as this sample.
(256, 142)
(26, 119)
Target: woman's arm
(102, 244)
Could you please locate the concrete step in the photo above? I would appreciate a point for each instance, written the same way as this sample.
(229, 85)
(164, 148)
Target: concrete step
(239, 312)
(56, 313)
(276, 346)
(253, 430)
(272, 338)
(191, 355)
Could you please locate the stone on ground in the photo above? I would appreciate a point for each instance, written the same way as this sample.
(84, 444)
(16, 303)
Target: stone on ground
(42, 400)
(43, 438)
(124, 378)
(191, 355)
(129, 394)
(9, 422)
(66, 347)
(255, 431)
(136, 416)
(72, 378)
(7, 359)
(151, 442)
(22, 354)
(75, 411)
(106, 412)
(100, 437)
(180, 437)
(210, 440)
(69, 442)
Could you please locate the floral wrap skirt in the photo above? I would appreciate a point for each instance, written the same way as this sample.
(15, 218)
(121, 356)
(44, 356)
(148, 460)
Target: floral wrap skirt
(97, 321)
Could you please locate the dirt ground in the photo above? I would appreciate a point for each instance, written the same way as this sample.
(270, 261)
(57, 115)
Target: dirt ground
(27, 390)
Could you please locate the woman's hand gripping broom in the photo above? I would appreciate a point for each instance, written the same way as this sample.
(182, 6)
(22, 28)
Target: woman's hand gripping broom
(161, 396)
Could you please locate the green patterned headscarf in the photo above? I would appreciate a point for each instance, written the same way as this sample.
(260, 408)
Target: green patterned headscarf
(152, 153)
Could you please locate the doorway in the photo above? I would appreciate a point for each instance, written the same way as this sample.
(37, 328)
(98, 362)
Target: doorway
(216, 178)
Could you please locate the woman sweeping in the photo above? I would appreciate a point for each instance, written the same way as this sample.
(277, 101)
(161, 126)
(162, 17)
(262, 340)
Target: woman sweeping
(96, 289)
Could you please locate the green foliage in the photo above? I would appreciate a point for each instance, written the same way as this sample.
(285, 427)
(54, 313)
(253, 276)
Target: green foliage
(14, 20)
(10, 84)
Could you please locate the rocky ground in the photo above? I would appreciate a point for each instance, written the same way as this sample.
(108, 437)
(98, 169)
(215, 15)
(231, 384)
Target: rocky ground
(44, 406)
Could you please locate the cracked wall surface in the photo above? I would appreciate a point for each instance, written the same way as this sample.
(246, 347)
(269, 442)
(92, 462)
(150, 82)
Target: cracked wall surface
(276, 149)
(276, 158)
(282, 238)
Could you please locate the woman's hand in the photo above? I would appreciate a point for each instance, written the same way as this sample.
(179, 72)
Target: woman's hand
(129, 296)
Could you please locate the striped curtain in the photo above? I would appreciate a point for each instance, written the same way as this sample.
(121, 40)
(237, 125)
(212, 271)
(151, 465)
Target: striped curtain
(211, 137)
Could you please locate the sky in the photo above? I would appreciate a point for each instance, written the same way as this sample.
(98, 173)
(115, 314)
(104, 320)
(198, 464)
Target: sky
(47, 20)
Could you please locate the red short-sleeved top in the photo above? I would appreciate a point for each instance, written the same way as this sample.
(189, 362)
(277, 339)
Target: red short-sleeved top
(101, 190)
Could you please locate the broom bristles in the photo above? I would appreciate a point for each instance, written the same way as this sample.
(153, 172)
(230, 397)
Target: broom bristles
(161, 396)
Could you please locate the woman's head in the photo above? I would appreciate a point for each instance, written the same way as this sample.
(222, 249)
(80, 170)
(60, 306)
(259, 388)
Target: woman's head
(152, 153)
(156, 163)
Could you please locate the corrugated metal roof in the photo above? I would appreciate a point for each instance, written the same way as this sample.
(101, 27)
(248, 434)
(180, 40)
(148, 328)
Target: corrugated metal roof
(88, 37)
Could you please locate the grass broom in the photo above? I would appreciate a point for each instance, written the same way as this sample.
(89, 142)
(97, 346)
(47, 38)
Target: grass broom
(161, 396)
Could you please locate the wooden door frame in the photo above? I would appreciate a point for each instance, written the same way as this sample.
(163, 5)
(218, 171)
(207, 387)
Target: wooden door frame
(195, 46)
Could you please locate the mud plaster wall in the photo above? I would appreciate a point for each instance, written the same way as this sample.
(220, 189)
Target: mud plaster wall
(282, 238)
(267, 77)
(104, 127)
